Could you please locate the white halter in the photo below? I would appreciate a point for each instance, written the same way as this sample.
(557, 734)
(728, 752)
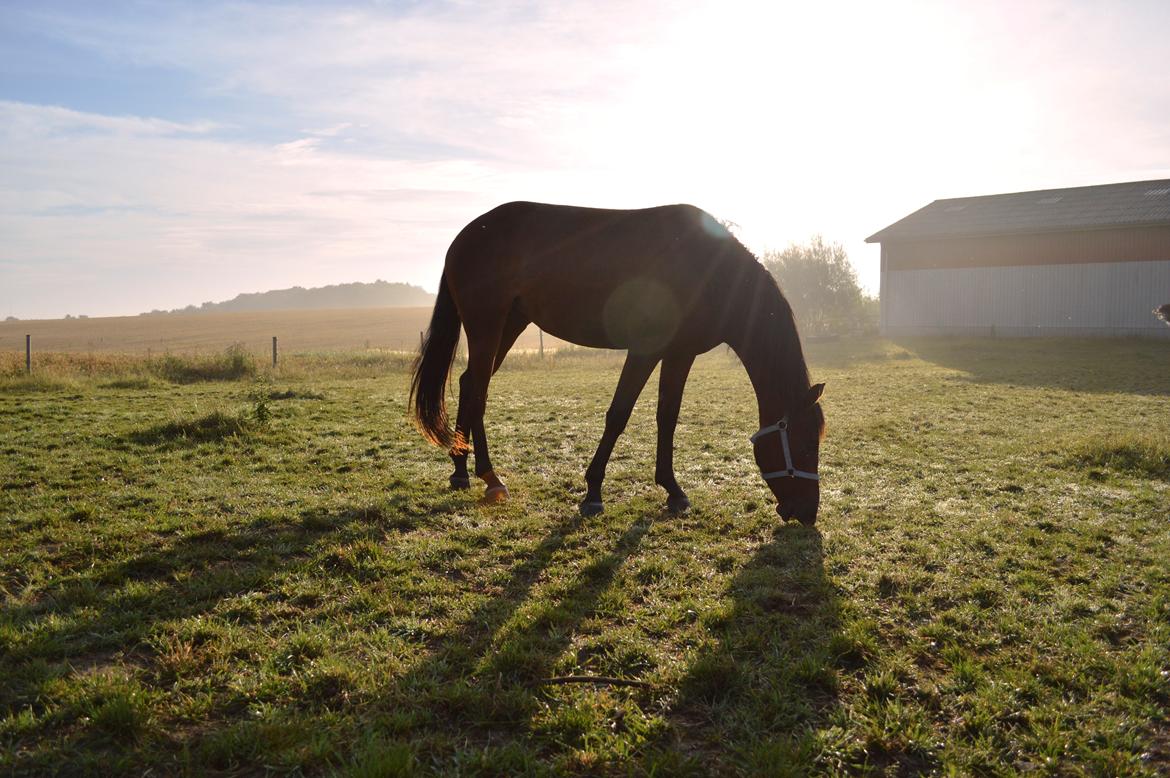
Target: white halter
(789, 471)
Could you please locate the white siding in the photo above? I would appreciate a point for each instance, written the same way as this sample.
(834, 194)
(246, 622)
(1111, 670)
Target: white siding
(1099, 298)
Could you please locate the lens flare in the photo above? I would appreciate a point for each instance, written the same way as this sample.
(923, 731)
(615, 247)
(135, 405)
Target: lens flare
(641, 315)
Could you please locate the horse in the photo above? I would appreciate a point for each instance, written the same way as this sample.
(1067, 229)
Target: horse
(665, 284)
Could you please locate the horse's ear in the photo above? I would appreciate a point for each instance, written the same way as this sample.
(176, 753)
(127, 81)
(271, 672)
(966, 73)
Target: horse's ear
(814, 395)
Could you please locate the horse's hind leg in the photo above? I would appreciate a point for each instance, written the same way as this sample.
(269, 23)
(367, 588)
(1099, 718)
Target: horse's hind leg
(484, 336)
(635, 372)
(513, 327)
(459, 478)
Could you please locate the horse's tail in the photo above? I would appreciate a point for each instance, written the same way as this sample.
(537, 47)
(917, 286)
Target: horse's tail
(428, 380)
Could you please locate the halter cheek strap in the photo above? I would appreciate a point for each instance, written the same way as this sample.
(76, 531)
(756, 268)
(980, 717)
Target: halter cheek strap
(789, 471)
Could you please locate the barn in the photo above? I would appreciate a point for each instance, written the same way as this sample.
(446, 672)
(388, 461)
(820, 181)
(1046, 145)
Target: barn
(1087, 261)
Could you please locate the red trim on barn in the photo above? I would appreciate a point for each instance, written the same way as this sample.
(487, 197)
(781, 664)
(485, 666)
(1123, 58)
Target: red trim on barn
(1129, 244)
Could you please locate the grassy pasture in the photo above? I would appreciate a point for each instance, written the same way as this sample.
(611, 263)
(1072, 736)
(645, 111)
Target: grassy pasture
(297, 331)
(267, 575)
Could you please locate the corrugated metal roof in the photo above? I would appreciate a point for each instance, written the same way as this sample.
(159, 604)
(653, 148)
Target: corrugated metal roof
(1047, 210)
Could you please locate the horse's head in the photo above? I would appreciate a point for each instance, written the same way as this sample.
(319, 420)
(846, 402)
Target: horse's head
(787, 453)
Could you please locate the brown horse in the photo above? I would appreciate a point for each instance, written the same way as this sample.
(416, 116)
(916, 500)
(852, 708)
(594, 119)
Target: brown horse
(666, 284)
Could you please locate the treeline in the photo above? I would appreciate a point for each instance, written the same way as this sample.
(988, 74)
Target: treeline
(379, 294)
(821, 286)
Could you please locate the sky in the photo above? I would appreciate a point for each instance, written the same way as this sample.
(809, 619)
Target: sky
(160, 154)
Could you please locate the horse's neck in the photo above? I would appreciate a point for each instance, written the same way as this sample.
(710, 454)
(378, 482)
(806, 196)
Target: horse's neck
(769, 348)
(765, 381)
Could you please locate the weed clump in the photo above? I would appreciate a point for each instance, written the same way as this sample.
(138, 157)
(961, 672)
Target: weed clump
(295, 394)
(234, 364)
(139, 382)
(713, 678)
(123, 716)
(1142, 454)
(210, 427)
(35, 384)
(376, 758)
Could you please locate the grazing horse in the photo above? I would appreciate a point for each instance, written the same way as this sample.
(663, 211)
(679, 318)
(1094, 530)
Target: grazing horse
(665, 284)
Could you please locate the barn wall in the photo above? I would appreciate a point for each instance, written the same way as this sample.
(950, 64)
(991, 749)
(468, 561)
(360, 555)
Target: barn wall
(1091, 299)
(1133, 244)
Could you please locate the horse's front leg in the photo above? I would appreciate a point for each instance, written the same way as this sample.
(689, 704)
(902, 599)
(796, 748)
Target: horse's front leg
(635, 373)
(673, 378)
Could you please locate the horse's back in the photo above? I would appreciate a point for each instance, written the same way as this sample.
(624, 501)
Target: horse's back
(592, 276)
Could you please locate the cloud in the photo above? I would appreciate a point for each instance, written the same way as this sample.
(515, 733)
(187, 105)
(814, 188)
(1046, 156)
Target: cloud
(295, 148)
(330, 132)
(339, 142)
(24, 121)
(415, 124)
(118, 222)
(501, 80)
(394, 195)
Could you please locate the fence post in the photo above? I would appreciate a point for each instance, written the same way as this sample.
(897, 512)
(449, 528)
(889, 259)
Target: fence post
(420, 340)
(273, 352)
(541, 342)
(28, 354)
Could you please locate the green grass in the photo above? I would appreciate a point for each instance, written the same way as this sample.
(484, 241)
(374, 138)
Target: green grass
(267, 574)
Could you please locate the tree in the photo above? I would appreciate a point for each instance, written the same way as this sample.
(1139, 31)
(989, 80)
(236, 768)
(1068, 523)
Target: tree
(820, 284)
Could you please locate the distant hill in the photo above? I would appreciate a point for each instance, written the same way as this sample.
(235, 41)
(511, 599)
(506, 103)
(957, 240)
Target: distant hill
(380, 294)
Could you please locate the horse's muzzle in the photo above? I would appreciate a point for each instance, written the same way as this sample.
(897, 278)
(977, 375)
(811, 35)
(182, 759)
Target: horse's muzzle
(804, 511)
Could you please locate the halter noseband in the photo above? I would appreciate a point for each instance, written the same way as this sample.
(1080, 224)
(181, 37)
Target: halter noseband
(789, 471)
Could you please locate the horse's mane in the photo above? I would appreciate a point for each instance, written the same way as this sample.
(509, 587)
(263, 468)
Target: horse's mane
(771, 332)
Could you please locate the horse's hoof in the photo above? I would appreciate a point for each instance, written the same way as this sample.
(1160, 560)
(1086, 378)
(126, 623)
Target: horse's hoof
(494, 494)
(458, 482)
(678, 504)
(591, 508)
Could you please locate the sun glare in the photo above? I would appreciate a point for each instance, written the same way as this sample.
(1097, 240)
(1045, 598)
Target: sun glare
(738, 108)
(768, 114)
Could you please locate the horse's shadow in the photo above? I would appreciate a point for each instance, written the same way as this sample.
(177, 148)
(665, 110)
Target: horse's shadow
(106, 615)
(760, 682)
(755, 696)
(481, 676)
(751, 698)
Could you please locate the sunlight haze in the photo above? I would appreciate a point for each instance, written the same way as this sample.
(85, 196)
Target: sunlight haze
(159, 155)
